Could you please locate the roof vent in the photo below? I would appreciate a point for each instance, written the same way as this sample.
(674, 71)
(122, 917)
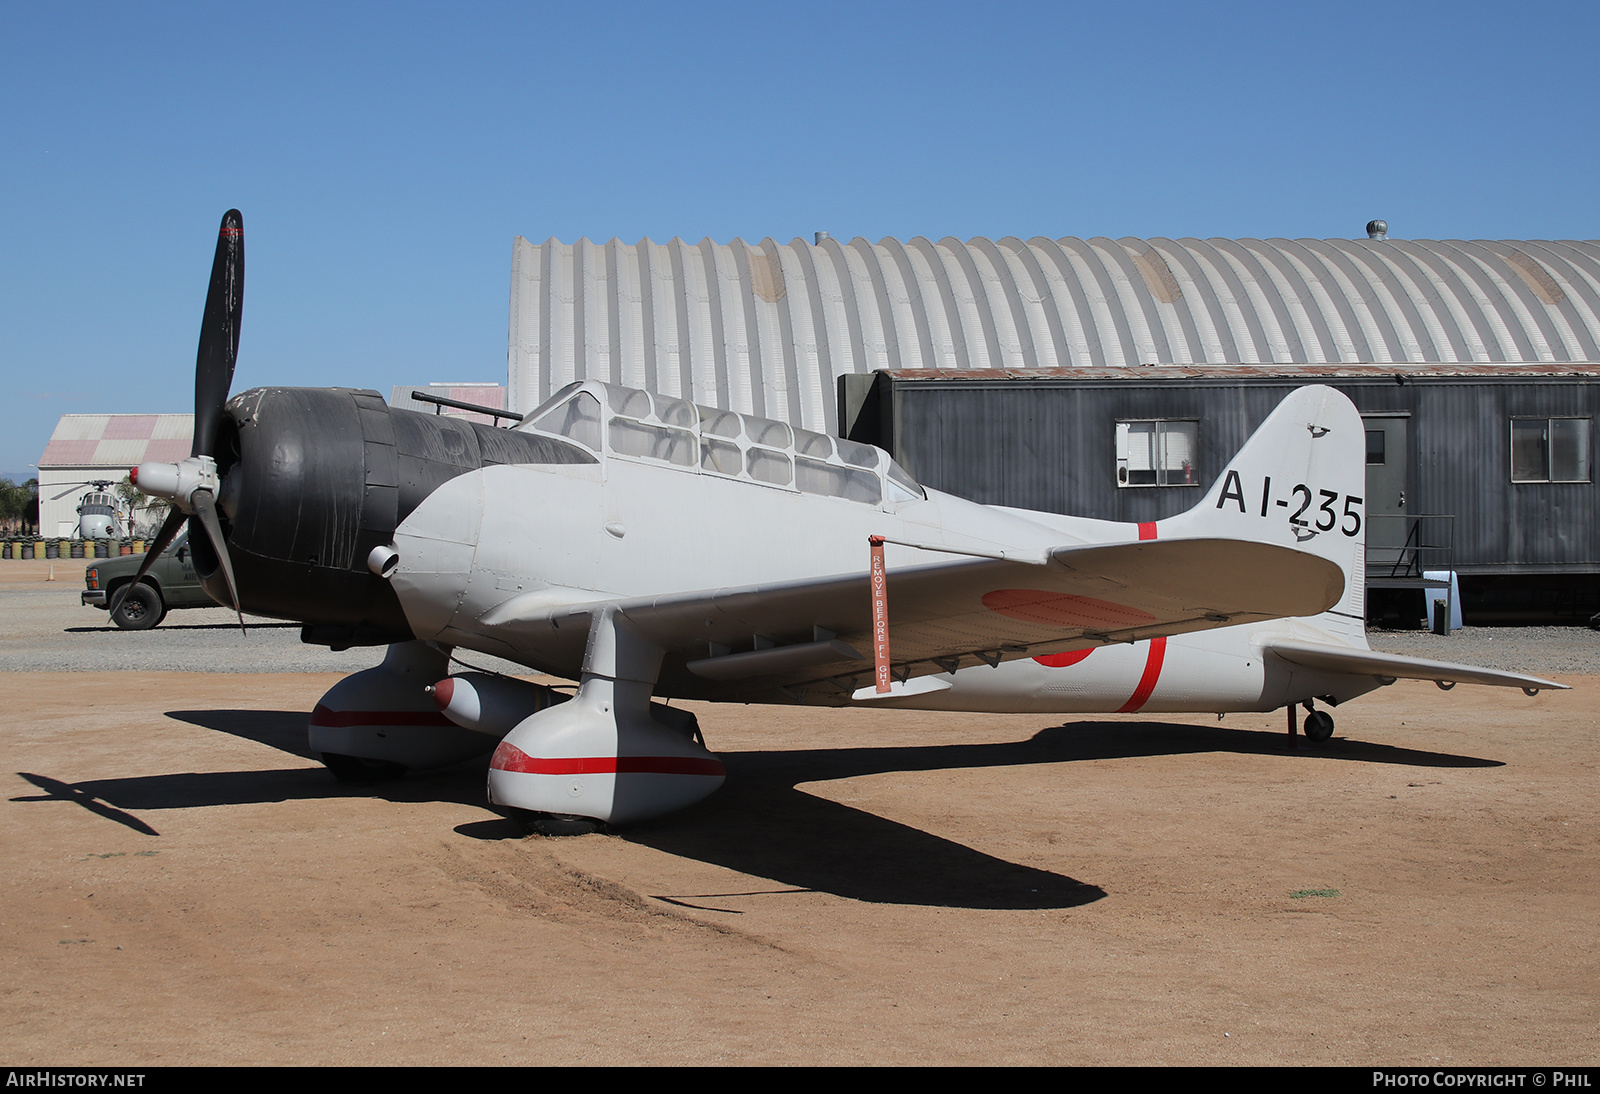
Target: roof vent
(818, 238)
(1377, 229)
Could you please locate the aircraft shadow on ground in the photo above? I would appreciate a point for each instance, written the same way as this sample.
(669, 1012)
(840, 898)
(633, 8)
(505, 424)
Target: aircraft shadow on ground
(760, 823)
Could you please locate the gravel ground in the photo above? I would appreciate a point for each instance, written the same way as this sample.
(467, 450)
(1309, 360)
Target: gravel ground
(1542, 651)
(187, 886)
(47, 629)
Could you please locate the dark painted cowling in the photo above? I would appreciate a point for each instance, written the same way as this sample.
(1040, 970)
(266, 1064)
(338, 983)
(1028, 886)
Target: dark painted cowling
(314, 478)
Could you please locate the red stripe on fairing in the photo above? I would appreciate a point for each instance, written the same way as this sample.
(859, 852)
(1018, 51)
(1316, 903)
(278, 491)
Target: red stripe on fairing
(1147, 682)
(508, 757)
(341, 719)
(1147, 529)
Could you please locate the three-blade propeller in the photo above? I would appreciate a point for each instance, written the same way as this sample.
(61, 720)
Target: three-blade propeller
(193, 485)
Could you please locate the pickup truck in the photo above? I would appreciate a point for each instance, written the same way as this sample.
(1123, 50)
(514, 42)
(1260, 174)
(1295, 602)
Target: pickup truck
(171, 583)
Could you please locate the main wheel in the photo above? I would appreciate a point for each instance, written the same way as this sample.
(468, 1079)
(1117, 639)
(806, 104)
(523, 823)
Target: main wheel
(140, 609)
(556, 824)
(1319, 726)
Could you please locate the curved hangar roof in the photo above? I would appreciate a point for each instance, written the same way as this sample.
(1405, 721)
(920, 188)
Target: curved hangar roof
(766, 329)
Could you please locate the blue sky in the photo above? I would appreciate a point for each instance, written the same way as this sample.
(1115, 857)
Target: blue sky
(384, 156)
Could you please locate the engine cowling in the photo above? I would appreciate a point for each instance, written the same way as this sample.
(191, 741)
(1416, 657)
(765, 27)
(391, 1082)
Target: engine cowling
(312, 480)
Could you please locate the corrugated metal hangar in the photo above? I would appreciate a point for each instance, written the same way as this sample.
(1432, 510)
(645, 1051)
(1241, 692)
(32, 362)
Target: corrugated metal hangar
(768, 329)
(1473, 361)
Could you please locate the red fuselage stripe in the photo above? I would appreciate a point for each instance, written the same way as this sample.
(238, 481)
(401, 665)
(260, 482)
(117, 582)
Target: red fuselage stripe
(1147, 682)
(1157, 654)
(511, 758)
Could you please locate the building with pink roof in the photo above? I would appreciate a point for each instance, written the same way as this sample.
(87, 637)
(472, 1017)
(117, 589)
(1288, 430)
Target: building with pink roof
(88, 447)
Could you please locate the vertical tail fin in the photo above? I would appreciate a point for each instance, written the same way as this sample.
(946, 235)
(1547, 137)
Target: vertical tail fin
(1299, 481)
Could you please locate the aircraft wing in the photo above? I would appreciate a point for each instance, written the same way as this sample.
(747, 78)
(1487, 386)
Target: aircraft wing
(1390, 666)
(952, 614)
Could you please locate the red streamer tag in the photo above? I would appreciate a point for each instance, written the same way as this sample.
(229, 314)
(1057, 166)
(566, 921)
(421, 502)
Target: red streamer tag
(880, 616)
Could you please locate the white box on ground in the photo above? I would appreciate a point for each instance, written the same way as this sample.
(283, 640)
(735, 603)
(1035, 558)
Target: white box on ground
(1433, 595)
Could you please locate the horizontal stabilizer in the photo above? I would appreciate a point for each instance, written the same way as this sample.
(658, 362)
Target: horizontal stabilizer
(1392, 666)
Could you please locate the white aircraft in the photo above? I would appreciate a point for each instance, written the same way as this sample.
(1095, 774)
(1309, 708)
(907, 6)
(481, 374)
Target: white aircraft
(99, 511)
(649, 548)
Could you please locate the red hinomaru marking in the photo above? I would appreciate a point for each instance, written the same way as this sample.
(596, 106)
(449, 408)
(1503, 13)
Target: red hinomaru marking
(1147, 682)
(340, 719)
(1062, 660)
(508, 757)
(1063, 609)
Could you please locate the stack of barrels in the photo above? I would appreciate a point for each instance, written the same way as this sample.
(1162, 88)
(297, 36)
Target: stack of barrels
(16, 547)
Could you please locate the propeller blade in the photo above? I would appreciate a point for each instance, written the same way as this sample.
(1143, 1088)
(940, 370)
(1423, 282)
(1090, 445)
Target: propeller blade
(163, 540)
(205, 510)
(219, 334)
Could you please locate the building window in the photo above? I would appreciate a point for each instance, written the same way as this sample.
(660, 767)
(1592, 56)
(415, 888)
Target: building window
(1550, 450)
(1158, 453)
(1376, 453)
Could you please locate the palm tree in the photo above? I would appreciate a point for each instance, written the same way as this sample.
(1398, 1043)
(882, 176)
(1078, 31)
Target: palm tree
(19, 505)
(145, 513)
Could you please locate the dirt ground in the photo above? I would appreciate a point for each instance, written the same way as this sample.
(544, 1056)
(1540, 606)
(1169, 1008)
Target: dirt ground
(183, 885)
(186, 885)
(30, 571)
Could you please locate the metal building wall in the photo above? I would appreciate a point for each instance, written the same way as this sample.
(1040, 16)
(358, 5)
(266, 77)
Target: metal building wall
(1048, 444)
(768, 328)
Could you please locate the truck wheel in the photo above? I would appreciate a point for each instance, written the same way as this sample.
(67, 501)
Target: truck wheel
(140, 610)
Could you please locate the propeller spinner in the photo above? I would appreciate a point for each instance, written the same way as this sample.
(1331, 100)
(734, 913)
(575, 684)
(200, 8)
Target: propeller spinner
(192, 486)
